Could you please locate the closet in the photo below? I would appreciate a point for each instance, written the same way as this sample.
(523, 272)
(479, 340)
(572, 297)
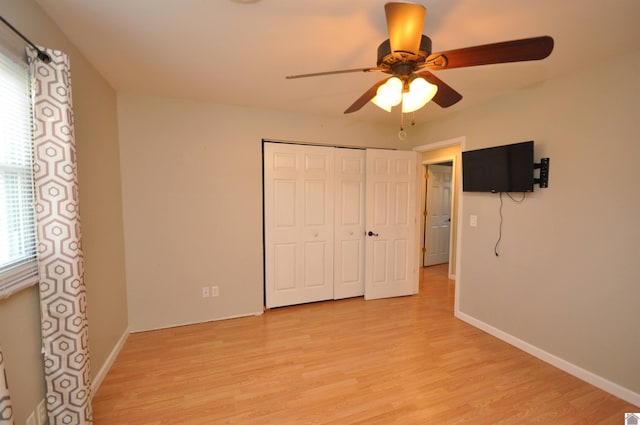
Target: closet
(338, 223)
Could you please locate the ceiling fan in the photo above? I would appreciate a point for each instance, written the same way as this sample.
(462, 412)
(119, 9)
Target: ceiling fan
(406, 55)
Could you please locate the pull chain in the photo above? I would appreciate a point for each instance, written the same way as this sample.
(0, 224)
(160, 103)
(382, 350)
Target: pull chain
(402, 135)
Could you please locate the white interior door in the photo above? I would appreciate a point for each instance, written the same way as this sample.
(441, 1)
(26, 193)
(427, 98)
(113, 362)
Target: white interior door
(438, 217)
(349, 223)
(391, 260)
(299, 223)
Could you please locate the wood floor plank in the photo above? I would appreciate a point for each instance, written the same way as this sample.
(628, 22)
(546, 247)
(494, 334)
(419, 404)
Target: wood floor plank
(395, 361)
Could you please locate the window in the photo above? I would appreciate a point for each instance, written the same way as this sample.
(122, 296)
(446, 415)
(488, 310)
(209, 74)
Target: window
(18, 262)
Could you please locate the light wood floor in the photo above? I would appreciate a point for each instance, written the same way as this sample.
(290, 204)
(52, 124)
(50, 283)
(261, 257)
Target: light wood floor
(396, 361)
(436, 286)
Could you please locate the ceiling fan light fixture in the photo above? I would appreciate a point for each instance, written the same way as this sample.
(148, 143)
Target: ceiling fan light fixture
(380, 105)
(389, 94)
(419, 94)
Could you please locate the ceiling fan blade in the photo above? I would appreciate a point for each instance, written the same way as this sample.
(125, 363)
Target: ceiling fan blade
(445, 96)
(527, 49)
(405, 22)
(342, 71)
(366, 97)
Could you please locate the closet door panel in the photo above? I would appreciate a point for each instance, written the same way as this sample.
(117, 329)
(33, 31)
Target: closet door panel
(349, 223)
(298, 216)
(391, 255)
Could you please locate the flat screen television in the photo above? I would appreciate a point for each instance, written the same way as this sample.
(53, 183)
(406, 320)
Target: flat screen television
(507, 168)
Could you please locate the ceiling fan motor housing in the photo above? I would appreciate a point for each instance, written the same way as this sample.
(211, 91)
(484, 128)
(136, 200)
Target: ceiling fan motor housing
(402, 63)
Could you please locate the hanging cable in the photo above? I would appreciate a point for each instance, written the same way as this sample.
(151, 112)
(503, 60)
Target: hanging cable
(518, 201)
(495, 248)
(42, 55)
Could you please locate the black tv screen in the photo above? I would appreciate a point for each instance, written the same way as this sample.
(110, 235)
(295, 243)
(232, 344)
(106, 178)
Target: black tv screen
(507, 168)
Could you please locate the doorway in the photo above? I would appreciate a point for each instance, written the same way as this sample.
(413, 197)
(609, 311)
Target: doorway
(437, 212)
(444, 279)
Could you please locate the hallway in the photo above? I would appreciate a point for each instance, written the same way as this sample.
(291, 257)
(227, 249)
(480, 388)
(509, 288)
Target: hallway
(436, 287)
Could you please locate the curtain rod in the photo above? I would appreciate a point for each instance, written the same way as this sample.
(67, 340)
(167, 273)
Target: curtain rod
(43, 56)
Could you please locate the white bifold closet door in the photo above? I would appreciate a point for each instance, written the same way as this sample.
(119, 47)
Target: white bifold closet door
(316, 218)
(298, 214)
(349, 223)
(392, 254)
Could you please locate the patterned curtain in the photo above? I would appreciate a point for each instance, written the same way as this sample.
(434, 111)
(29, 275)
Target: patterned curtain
(62, 289)
(6, 409)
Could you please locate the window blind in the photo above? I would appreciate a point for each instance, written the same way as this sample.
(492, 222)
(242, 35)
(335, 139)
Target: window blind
(18, 261)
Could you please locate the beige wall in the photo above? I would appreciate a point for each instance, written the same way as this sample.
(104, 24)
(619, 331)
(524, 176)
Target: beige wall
(192, 194)
(566, 280)
(100, 209)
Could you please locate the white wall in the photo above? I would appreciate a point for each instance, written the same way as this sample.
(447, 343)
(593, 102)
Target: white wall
(567, 279)
(192, 202)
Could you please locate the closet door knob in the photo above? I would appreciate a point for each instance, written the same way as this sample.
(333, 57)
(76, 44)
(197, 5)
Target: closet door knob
(370, 233)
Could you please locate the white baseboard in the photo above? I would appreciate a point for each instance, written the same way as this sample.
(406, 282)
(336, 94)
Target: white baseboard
(580, 373)
(102, 373)
(177, 325)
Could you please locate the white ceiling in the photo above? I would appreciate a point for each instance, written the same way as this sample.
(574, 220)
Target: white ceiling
(238, 53)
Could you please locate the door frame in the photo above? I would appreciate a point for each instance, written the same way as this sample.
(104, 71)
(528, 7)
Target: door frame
(456, 141)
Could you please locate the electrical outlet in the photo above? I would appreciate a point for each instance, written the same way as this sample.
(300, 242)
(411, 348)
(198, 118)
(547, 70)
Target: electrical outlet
(31, 420)
(205, 292)
(41, 413)
(215, 291)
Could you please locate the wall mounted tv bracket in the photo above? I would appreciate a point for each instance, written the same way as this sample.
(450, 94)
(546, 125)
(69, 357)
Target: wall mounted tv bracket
(543, 165)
